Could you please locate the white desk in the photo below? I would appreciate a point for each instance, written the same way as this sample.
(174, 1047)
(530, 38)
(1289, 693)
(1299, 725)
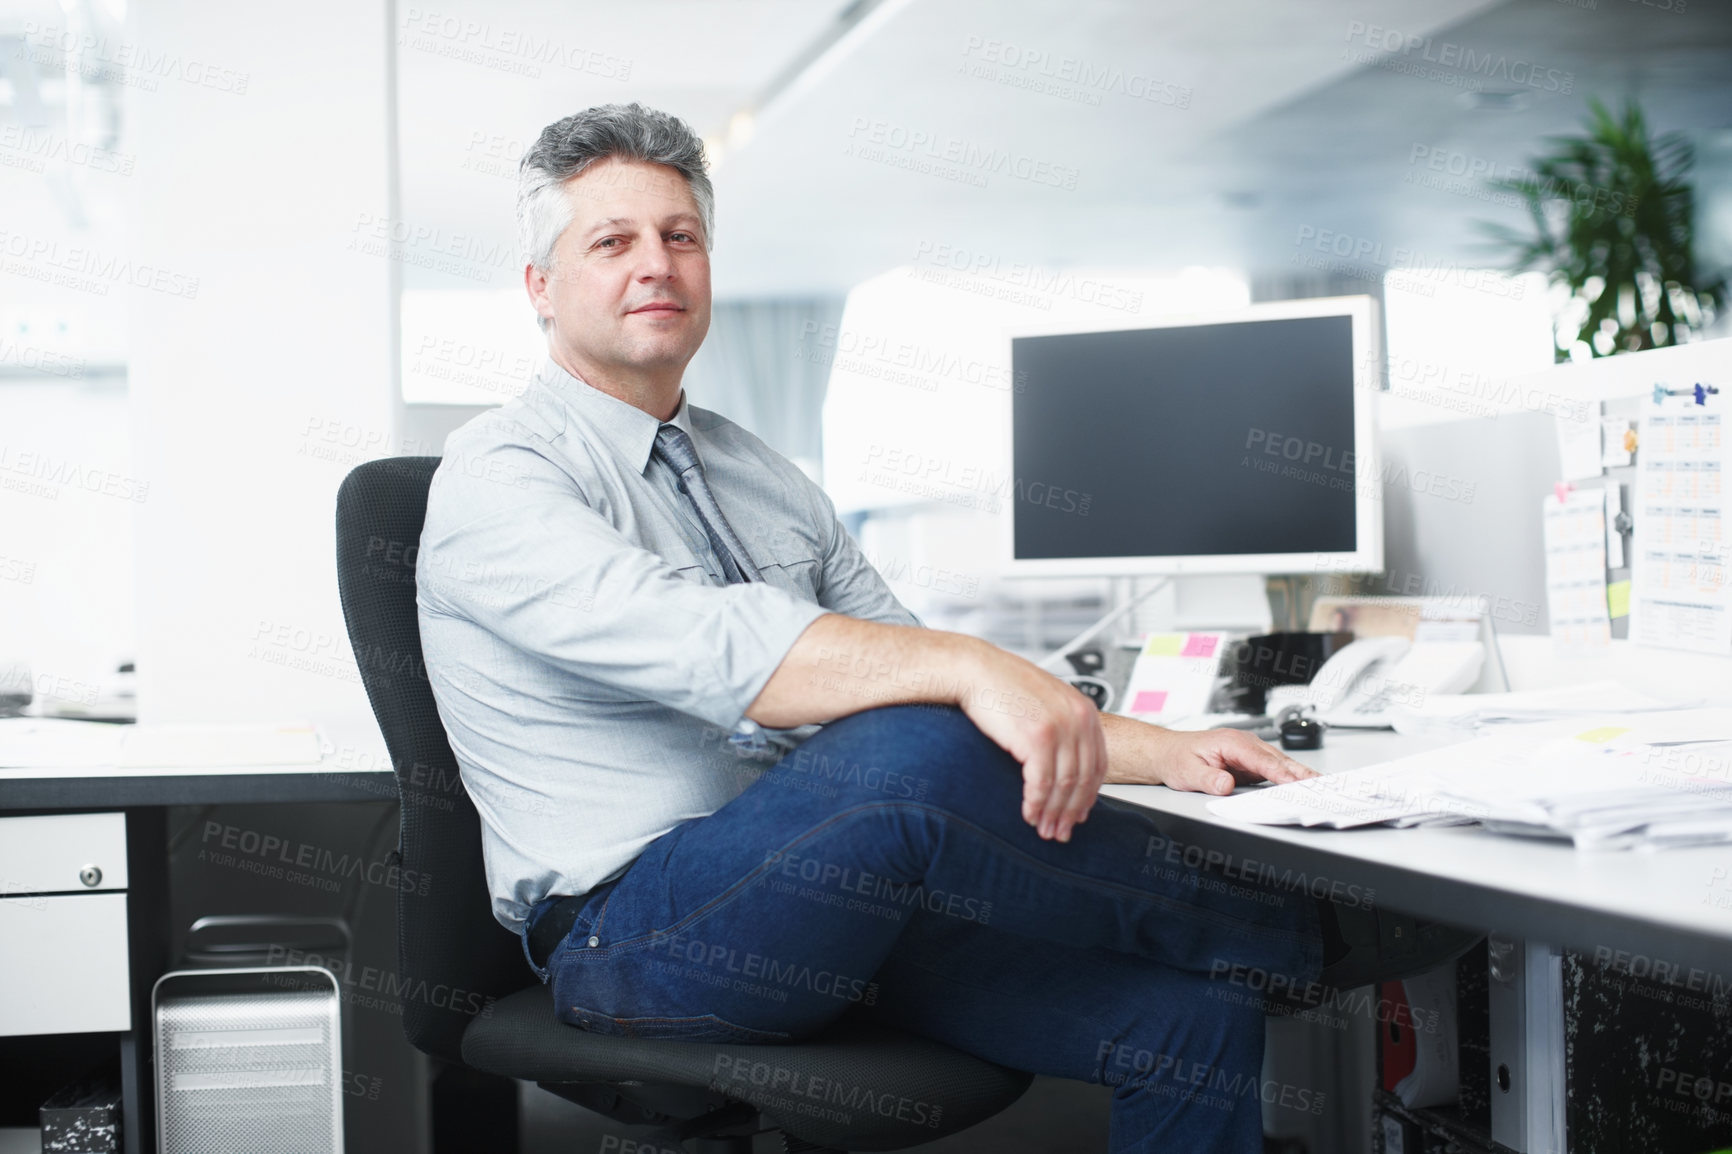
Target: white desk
(1659, 905)
(1630, 911)
(112, 787)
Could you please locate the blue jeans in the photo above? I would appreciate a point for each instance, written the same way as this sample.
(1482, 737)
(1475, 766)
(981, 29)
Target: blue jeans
(884, 867)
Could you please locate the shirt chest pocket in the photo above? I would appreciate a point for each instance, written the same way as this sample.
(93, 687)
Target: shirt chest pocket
(786, 562)
(790, 563)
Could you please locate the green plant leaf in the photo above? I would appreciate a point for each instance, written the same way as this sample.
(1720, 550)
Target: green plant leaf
(1628, 223)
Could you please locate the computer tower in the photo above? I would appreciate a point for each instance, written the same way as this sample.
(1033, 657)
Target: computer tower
(248, 1059)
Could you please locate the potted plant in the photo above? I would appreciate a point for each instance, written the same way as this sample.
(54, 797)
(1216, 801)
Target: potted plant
(1614, 221)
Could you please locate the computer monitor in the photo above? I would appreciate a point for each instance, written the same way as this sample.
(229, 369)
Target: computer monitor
(1240, 444)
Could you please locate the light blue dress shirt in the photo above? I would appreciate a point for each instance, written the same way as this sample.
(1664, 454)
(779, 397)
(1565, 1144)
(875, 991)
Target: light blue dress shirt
(590, 663)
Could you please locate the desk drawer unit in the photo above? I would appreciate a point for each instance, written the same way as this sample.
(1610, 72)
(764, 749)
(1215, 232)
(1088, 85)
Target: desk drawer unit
(63, 943)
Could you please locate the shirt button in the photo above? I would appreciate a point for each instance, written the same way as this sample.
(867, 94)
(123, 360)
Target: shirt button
(595, 941)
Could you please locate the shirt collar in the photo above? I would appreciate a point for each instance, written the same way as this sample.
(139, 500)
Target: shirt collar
(626, 429)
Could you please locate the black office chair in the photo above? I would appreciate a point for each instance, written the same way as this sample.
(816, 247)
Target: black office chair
(468, 995)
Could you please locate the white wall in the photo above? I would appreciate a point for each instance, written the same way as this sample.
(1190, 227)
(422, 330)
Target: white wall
(252, 399)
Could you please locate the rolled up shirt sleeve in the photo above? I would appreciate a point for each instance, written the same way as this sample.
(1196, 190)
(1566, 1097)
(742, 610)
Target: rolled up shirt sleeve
(851, 584)
(527, 557)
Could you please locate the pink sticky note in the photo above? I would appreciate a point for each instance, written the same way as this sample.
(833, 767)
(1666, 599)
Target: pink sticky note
(1150, 701)
(1199, 645)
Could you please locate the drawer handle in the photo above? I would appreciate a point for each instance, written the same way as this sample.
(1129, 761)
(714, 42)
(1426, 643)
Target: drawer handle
(90, 876)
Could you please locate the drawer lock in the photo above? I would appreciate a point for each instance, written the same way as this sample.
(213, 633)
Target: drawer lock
(90, 876)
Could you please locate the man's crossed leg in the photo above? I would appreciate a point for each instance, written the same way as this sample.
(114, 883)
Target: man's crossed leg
(886, 865)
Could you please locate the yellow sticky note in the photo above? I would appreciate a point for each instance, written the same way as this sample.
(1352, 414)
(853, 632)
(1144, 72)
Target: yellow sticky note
(1603, 734)
(1165, 645)
(1618, 598)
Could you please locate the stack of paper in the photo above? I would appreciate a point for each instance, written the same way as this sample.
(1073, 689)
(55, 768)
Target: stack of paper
(1466, 714)
(1621, 780)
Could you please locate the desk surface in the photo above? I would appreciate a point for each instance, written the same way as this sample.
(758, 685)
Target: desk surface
(114, 787)
(1664, 905)
(1673, 905)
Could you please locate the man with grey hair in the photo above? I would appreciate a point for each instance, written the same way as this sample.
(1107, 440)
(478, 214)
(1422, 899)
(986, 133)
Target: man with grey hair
(636, 618)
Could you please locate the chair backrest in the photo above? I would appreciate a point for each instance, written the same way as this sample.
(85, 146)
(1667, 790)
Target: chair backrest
(453, 958)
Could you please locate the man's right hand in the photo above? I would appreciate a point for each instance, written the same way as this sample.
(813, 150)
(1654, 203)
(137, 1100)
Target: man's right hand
(841, 665)
(1050, 728)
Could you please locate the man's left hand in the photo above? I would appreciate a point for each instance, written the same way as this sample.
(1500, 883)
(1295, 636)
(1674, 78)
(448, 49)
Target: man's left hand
(1215, 760)
(1209, 761)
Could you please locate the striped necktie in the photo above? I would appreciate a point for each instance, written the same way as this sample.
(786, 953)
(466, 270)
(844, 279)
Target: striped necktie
(677, 452)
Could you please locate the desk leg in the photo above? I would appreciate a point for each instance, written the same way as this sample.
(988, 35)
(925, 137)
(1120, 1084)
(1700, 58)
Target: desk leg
(147, 958)
(1527, 1046)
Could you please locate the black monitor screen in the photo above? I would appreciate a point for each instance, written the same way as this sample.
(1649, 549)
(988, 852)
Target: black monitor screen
(1196, 440)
